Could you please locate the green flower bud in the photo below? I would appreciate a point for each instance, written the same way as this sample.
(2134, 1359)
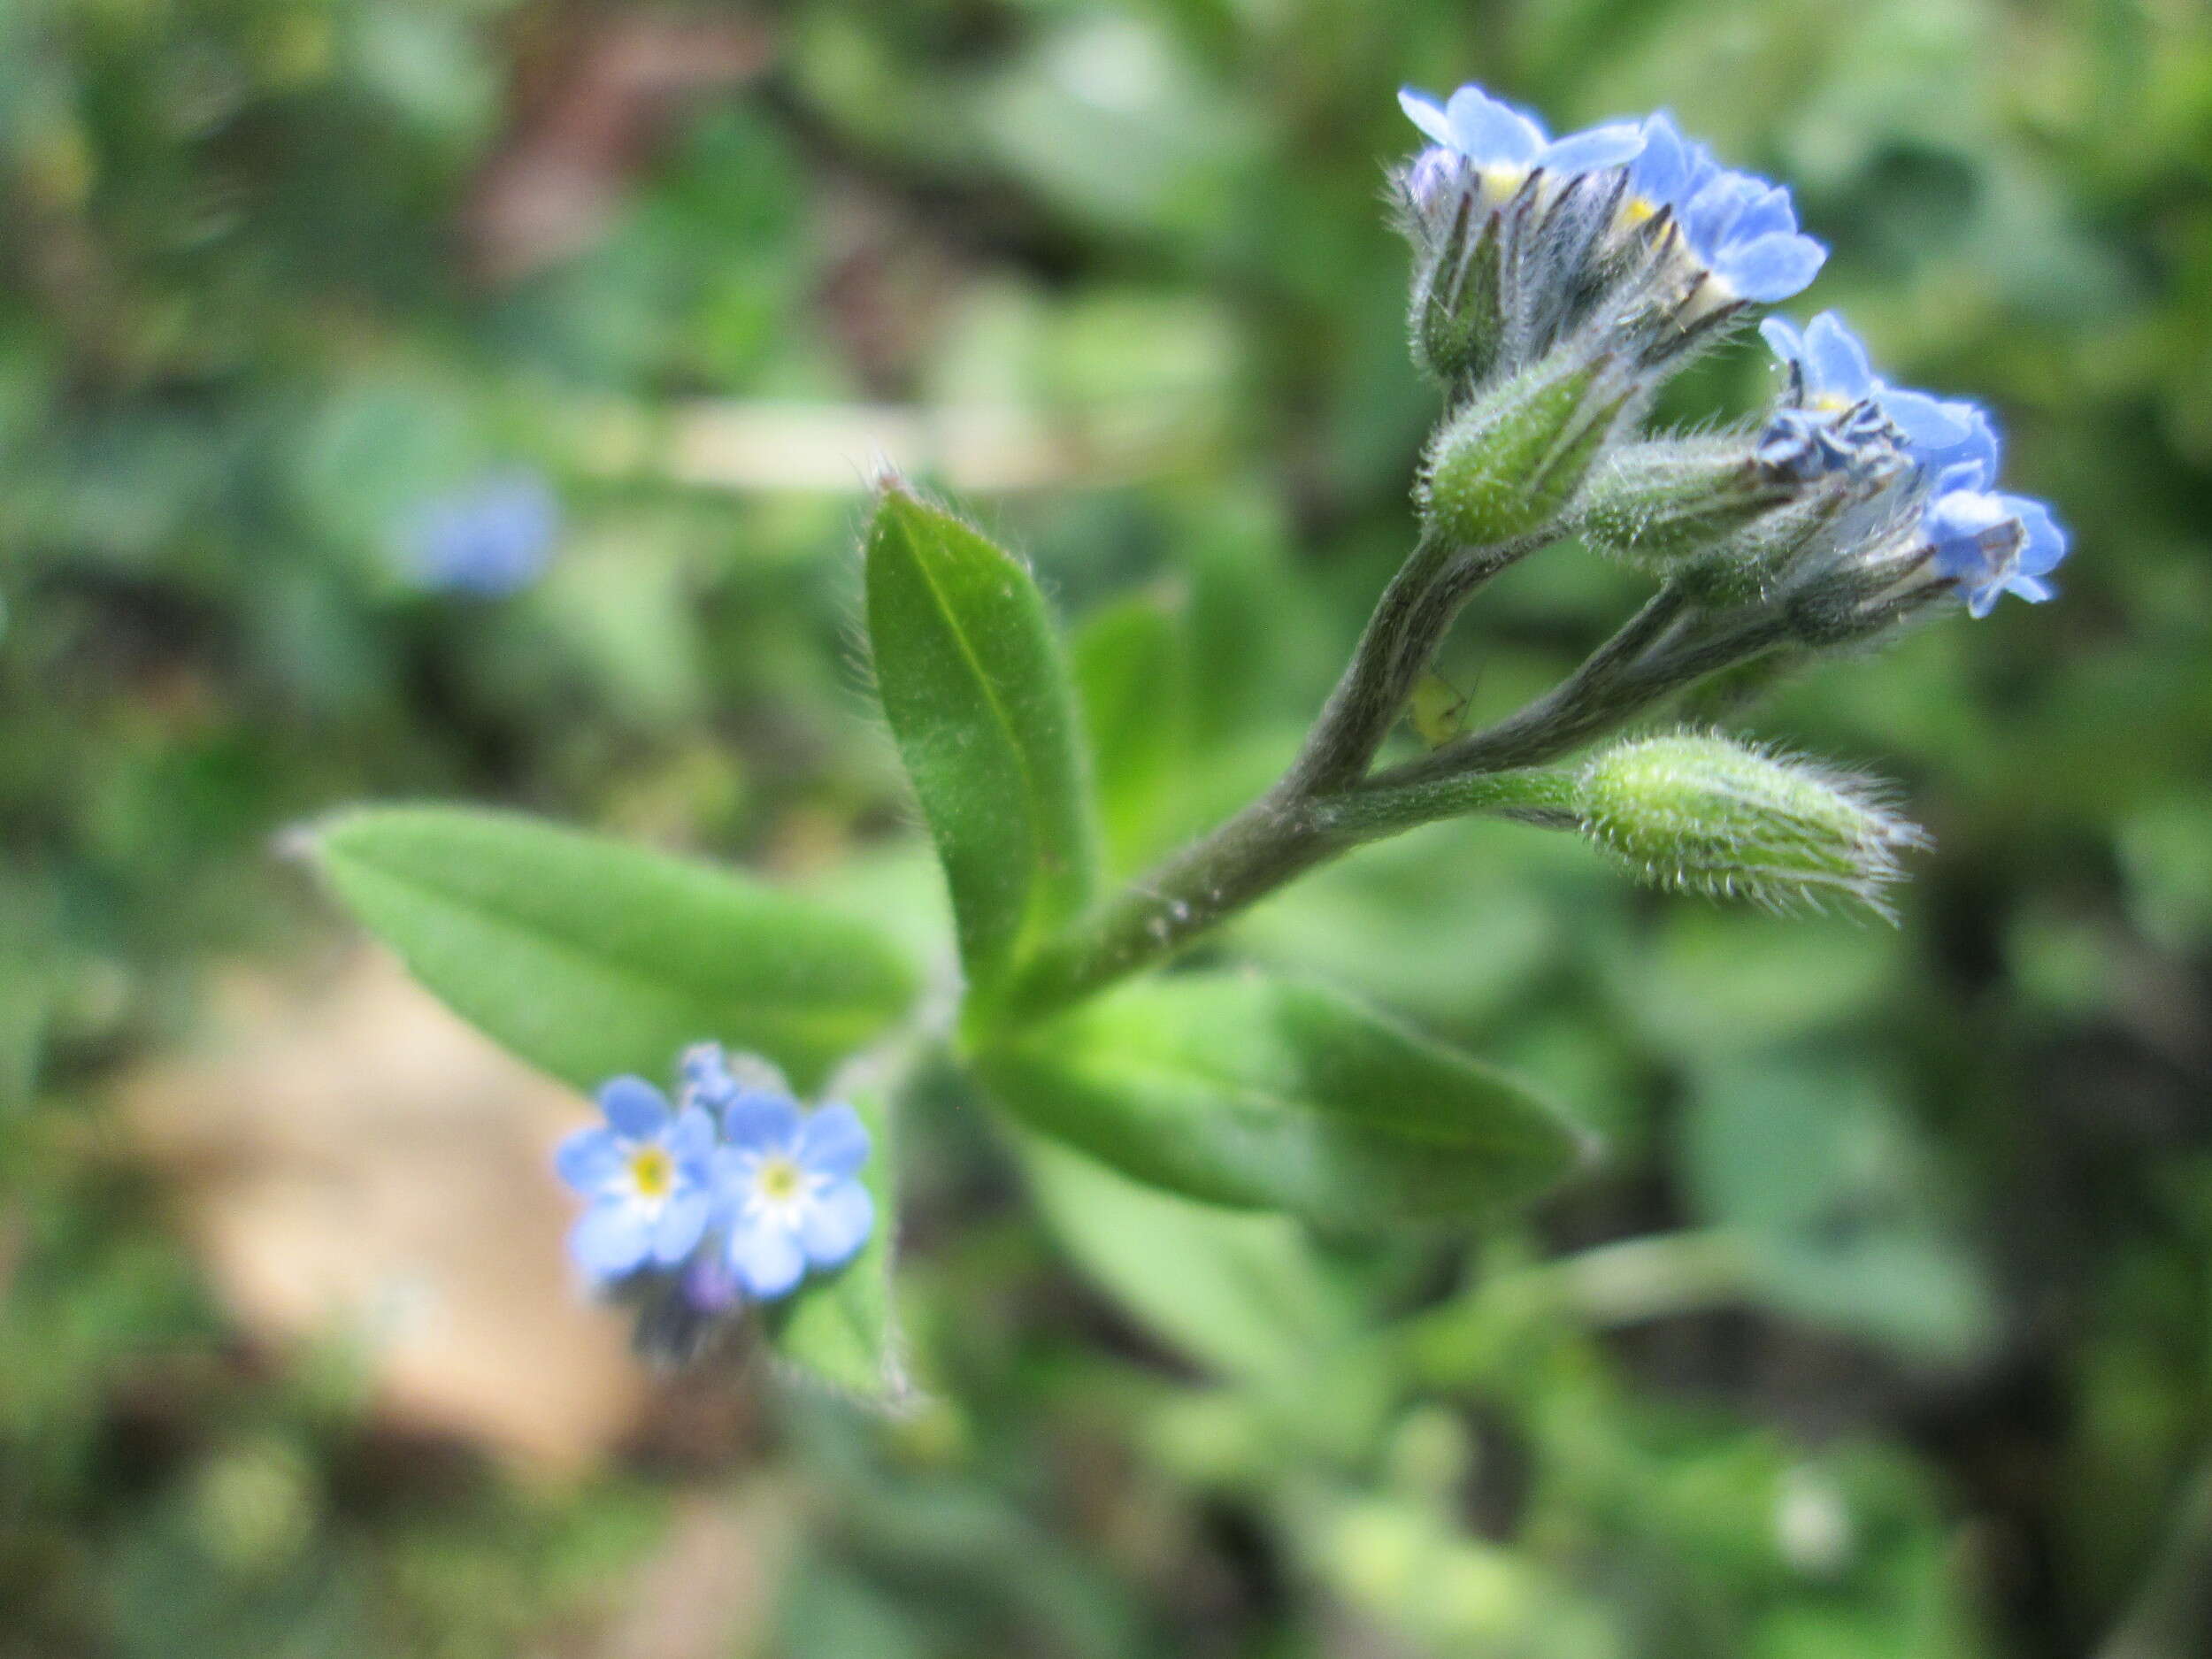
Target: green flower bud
(1511, 461)
(1458, 306)
(1659, 503)
(1698, 812)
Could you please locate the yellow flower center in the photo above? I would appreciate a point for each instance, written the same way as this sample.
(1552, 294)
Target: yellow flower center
(1833, 402)
(780, 1181)
(1637, 209)
(652, 1172)
(1504, 181)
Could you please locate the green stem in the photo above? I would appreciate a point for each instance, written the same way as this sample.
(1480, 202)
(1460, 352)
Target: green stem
(1395, 651)
(1299, 823)
(1326, 804)
(1532, 796)
(1270, 842)
(1276, 838)
(1613, 686)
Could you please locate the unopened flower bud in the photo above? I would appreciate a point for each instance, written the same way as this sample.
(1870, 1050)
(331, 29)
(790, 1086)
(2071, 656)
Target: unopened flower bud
(1697, 812)
(1511, 461)
(1659, 502)
(1457, 313)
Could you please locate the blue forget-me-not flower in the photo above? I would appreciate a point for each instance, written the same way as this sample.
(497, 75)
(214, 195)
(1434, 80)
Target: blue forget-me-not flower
(1626, 237)
(489, 538)
(646, 1174)
(1989, 544)
(730, 1197)
(788, 1188)
(1839, 415)
(1505, 145)
(1741, 229)
(1561, 279)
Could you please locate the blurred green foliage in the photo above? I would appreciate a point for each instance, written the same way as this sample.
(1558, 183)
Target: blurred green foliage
(1885, 1331)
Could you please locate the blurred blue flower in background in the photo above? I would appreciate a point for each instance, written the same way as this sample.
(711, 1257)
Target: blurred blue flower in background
(490, 538)
(738, 1192)
(646, 1174)
(786, 1188)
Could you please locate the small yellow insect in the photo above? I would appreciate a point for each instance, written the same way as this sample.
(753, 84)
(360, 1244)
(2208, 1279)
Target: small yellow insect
(1438, 710)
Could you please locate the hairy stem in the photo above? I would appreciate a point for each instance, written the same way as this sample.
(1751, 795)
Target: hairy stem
(1327, 803)
(1615, 684)
(1276, 838)
(1395, 651)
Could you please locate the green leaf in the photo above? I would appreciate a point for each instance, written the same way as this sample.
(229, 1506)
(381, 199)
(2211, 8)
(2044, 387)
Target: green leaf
(590, 958)
(1243, 1295)
(978, 693)
(839, 1328)
(1253, 1093)
(1131, 666)
(1804, 1158)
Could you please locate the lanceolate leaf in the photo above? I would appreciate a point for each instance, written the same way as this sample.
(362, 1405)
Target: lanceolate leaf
(1244, 1295)
(976, 688)
(1249, 1092)
(590, 958)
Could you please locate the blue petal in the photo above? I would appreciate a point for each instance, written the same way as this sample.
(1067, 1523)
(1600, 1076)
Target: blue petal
(1962, 478)
(761, 1120)
(837, 1222)
(634, 1107)
(765, 1258)
(1609, 146)
(678, 1227)
(2034, 590)
(1982, 601)
(1783, 340)
(588, 1159)
(1767, 211)
(611, 1238)
(1663, 168)
(1976, 453)
(706, 1074)
(690, 1137)
(1930, 424)
(2046, 543)
(834, 1141)
(1490, 132)
(1956, 520)
(729, 1181)
(1427, 114)
(1839, 360)
(1770, 268)
(1708, 216)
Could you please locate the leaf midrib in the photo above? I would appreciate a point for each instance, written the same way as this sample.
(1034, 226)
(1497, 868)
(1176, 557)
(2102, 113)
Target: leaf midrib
(1031, 792)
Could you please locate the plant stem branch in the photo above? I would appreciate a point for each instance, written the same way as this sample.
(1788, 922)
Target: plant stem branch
(1394, 649)
(1616, 683)
(1327, 803)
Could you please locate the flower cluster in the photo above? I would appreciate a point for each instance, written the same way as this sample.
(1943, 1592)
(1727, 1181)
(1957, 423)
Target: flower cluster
(1838, 416)
(1627, 230)
(1559, 281)
(733, 1193)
